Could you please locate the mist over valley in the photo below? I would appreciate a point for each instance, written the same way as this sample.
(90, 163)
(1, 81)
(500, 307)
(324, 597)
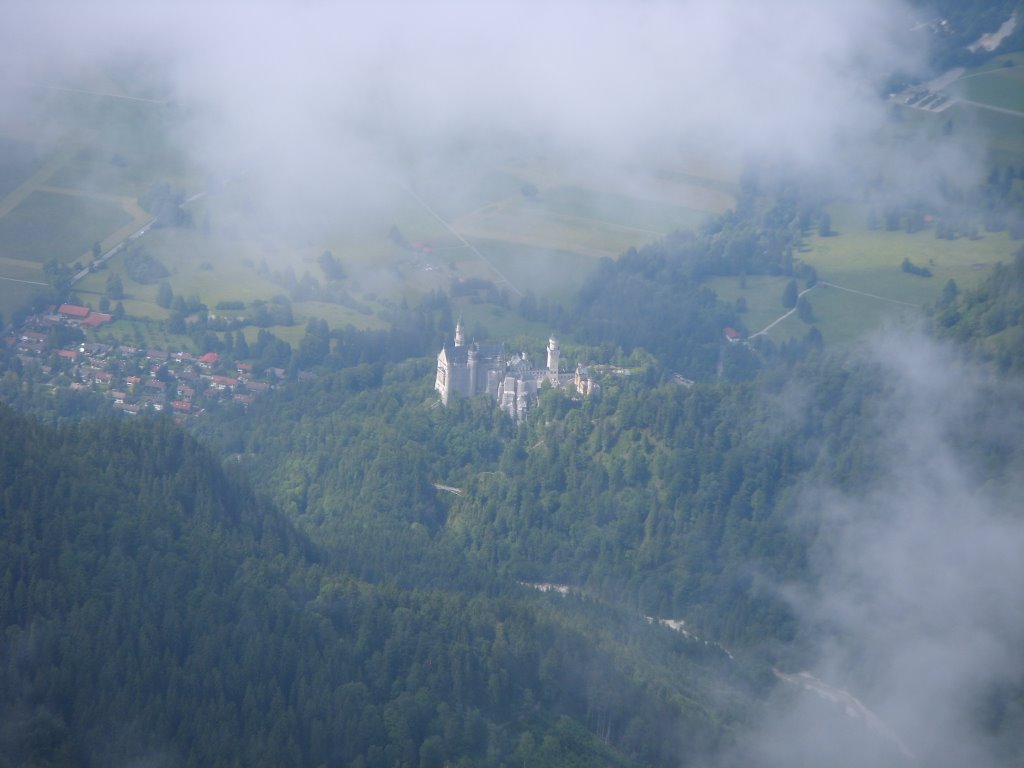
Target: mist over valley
(450, 384)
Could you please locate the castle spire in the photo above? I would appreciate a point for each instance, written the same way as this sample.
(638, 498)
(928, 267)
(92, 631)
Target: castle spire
(460, 338)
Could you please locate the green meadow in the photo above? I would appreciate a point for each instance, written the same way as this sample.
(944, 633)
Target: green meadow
(843, 317)
(49, 225)
(867, 264)
(999, 83)
(762, 294)
(19, 159)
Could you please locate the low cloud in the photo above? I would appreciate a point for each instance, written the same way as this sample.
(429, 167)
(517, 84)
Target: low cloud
(327, 104)
(916, 605)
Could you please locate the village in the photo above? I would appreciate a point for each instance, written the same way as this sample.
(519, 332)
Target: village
(51, 346)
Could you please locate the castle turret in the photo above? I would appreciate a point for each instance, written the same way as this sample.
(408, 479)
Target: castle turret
(553, 355)
(460, 338)
(471, 361)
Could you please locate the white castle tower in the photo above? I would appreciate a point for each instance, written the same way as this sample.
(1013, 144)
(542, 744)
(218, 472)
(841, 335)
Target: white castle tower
(553, 355)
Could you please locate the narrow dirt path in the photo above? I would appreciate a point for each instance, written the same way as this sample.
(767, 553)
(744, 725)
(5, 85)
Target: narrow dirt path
(772, 324)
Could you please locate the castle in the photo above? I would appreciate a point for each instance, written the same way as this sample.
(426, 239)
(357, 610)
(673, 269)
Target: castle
(478, 369)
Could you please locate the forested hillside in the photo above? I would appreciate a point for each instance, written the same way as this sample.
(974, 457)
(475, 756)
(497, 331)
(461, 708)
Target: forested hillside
(155, 609)
(989, 317)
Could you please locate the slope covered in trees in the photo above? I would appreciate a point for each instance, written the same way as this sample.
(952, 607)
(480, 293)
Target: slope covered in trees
(989, 317)
(155, 609)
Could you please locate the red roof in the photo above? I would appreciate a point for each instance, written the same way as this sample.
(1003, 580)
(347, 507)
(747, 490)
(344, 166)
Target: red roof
(70, 354)
(96, 319)
(73, 310)
(210, 358)
(731, 333)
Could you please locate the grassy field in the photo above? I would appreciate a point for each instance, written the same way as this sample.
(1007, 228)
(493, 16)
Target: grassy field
(867, 264)
(762, 293)
(1000, 88)
(843, 317)
(13, 296)
(210, 268)
(124, 145)
(48, 225)
(19, 159)
(857, 253)
(999, 82)
(556, 274)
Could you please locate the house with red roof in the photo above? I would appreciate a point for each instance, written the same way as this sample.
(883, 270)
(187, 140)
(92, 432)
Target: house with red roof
(73, 312)
(208, 360)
